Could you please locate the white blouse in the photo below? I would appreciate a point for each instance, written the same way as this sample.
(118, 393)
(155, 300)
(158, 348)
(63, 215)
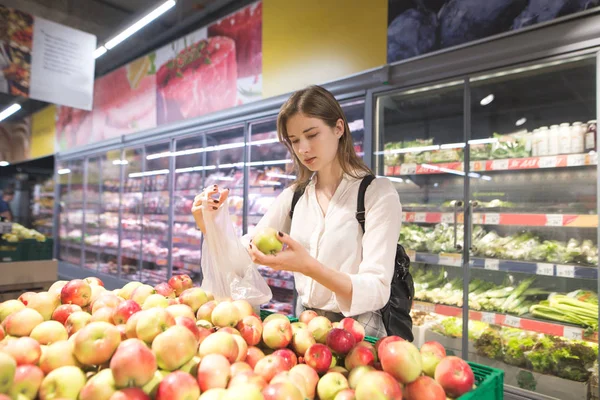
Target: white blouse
(336, 240)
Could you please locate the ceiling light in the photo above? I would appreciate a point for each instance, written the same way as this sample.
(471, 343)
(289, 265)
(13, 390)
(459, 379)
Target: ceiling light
(64, 171)
(157, 12)
(9, 111)
(487, 100)
(99, 52)
(483, 141)
(4, 163)
(521, 121)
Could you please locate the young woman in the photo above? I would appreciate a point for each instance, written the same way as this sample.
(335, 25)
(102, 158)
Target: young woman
(339, 271)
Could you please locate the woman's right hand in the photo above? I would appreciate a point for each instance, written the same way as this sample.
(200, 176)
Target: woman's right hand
(207, 198)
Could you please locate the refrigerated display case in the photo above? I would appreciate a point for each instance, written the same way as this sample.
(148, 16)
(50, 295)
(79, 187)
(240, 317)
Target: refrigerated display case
(499, 194)
(42, 207)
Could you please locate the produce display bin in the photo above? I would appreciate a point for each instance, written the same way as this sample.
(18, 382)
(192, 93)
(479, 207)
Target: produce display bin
(40, 250)
(13, 252)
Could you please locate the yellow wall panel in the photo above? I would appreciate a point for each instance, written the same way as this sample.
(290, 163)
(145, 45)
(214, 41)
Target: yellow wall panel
(43, 132)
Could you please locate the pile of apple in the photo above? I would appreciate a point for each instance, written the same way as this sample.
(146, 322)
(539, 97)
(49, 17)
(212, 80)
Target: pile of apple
(176, 342)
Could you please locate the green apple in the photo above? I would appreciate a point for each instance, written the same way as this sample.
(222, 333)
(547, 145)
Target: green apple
(266, 241)
(64, 382)
(8, 367)
(100, 386)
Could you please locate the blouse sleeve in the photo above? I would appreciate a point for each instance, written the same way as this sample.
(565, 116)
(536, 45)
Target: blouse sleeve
(383, 220)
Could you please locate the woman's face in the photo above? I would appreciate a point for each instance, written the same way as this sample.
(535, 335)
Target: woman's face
(314, 142)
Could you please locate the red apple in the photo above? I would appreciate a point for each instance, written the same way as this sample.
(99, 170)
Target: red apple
(357, 373)
(402, 360)
(385, 340)
(77, 321)
(27, 381)
(244, 308)
(424, 388)
(246, 378)
(104, 314)
(359, 355)
(56, 287)
(131, 325)
(99, 387)
(431, 355)
(231, 331)
(155, 300)
(97, 291)
(24, 350)
(282, 391)
(310, 377)
(133, 364)
(57, 355)
(239, 366)
(152, 322)
(220, 343)
(378, 385)
(130, 394)
(225, 314)
(306, 316)
(178, 385)
(246, 392)
(455, 376)
(141, 293)
(22, 322)
(320, 327)
(354, 327)
(63, 311)
(165, 290)
(8, 307)
(269, 366)
(92, 280)
(181, 310)
(242, 348)
(253, 355)
(346, 394)
(189, 324)
(340, 341)
(273, 316)
(25, 297)
(8, 367)
(277, 333)
(206, 310)
(251, 328)
(319, 357)
(302, 340)
(174, 347)
(296, 379)
(288, 356)
(124, 310)
(2, 333)
(193, 297)
(96, 343)
(179, 283)
(62, 383)
(214, 371)
(76, 292)
(203, 333)
(331, 384)
(128, 289)
(49, 332)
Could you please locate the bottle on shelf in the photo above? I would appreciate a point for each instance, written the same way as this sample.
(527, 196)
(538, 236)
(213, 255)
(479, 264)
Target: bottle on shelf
(535, 142)
(564, 138)
(542, 141)
(590, 135)
(577, 138)
(553, 144)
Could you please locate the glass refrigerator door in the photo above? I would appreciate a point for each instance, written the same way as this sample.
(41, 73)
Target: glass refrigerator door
(419, 138)
(355, 114)
(108, 235)
(190, 159)
(72, 203)
(269, 172)
(155, 222)
(63, 178)
(534, 254)
(131, 250)
(91, 209)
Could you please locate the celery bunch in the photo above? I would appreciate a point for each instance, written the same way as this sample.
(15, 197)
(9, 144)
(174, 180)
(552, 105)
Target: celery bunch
(567, 309)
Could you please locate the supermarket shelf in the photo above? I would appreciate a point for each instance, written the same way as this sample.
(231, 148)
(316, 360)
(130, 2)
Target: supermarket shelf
(509, 164)
(506, 219)
(529, 324)
(493, 264)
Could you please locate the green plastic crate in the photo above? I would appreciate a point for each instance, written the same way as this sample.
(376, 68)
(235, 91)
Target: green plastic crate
(13, 252)
(40, 250)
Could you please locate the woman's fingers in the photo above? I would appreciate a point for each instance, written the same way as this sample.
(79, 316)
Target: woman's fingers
(223, 195)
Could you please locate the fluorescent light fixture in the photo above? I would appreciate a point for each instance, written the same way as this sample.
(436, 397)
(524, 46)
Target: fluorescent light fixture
(270, 183)
(64, 171)
(195, 150)
(452, 146)
(226, 178)
(99, 52)
(484, 141)
(266, 141)
(282, 176)
(393, 179)
(151, 16)
(409, 150)
(9, 111)
(357, 125)
(149, 173)
(486, 178)
(521, 121)
(120, 162)
(487, 100)
(262, 163)
(4, 163)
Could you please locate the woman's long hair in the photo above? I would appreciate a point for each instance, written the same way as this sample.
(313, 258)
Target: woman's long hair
(317, 102)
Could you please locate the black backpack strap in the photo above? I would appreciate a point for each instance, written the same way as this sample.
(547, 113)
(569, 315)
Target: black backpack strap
(297, 194)
(360, 205)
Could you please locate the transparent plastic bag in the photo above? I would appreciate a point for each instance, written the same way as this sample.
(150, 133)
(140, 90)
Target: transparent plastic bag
(227, 268)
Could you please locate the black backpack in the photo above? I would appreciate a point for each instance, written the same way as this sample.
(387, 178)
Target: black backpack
(396, 313)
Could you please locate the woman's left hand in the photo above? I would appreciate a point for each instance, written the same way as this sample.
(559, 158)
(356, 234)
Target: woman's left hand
(293, 257)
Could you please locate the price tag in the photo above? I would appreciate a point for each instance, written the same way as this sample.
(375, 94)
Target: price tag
(548, 162)
(515, 322)
(492, 264)
(554, 220)
(575, 160)
(499, 165)
(544, 269)
(408, 169)
(492, 219)
(488, 318)
(452, 260)
(447, 218)
(573, 333)
(420, 217)
(565, 271)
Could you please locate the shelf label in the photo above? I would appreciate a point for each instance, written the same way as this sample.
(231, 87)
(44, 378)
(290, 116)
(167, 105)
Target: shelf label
(573, 333)
(408, 169)
(565, 271)
(548, 162)
(423, 307)
(575, 160)
(447, 218)
(515, 322)
(544, 269)
(554, 220)
(420, 217)
(499, 165)
(492, 218)
(453, 260)
(492, 264)
(488, 318)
